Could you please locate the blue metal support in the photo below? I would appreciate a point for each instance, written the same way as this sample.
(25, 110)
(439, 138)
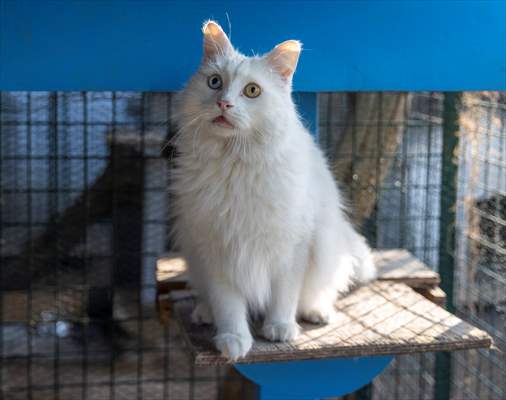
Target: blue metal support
(313, 379)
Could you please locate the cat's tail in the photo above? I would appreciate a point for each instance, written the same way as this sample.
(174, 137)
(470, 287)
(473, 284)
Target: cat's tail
(340, 260)
(363, 265)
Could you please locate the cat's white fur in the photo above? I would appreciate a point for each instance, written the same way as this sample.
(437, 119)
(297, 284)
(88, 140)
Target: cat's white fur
(258, 215)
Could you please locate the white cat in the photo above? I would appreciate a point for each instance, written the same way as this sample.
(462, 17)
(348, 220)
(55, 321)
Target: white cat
(258, 215)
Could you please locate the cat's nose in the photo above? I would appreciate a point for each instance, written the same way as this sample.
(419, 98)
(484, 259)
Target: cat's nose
(224, 104)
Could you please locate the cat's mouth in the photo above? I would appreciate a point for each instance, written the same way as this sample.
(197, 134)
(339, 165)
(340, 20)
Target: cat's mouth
(223, 122)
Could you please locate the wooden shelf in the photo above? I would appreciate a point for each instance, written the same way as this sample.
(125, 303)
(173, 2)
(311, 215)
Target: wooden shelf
(379, 319)
(400, 313)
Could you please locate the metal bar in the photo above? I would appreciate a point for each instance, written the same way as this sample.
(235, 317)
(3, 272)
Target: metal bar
(486, 178)
(114, 216)
(137, 225)
(448, 200)
(166, 328)
(84, 373)
(53, 184)
(29, 295)
(428, 178)
(1, 245)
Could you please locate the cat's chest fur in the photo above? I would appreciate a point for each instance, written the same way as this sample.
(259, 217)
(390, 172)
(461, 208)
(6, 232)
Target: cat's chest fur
(254, 205)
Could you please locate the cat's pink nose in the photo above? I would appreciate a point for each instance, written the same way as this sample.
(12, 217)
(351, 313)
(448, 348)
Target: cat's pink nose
(224, 104)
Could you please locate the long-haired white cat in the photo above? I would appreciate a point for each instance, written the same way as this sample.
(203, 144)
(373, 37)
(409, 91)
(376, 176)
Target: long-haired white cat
(258, 215)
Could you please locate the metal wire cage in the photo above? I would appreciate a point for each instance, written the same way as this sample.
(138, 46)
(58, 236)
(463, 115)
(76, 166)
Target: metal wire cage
(84, 216)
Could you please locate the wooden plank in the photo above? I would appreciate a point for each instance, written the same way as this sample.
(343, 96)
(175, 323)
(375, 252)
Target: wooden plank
(165, 303)
(435, 294)
(399, 265)
(236, 386)
(379, 319)
(396, 265)
(171, 273)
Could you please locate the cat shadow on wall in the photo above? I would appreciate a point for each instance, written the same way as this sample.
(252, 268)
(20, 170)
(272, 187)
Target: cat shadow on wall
(94, 246)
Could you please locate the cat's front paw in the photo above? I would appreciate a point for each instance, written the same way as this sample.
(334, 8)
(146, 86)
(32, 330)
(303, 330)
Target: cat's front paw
(202, 315)
(233, 345)
(280, 331)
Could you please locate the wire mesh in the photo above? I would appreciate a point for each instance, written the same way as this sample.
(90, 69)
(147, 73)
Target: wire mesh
(480, 292)
(394, 160)
(83, 218)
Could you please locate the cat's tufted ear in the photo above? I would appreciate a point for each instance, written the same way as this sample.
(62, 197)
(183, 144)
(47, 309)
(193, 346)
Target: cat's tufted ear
(284, 58)
(215, 40)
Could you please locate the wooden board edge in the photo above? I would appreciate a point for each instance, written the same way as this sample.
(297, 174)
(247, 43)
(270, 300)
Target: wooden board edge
(211, 359)
(434, 294)
(414, 283)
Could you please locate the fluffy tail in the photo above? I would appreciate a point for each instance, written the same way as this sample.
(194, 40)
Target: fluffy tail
(364, 268)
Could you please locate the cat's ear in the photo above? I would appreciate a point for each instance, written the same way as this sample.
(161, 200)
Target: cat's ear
(284, 58)
(215, 40)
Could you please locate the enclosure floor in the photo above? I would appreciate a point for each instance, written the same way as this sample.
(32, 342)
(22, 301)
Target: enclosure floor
(152, 364)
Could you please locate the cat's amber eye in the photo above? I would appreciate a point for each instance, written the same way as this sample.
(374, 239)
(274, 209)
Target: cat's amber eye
(252, 90)
(214, 82)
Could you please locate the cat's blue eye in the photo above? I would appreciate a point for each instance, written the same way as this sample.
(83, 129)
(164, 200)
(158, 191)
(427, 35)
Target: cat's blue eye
(214, 82)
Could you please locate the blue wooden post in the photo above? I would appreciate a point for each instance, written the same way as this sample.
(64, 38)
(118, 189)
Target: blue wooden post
(313, 379)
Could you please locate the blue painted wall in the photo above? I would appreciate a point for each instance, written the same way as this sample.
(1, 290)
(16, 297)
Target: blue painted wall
(350, 45)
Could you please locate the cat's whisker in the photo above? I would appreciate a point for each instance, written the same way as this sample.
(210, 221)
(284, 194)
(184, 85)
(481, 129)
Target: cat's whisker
(234, 145)
(179, 133)
(240, 145)
(196, 133)
(217, 47)
(245, 146)
(229, 27)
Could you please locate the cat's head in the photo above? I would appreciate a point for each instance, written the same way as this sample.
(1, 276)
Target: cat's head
(232, 94)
